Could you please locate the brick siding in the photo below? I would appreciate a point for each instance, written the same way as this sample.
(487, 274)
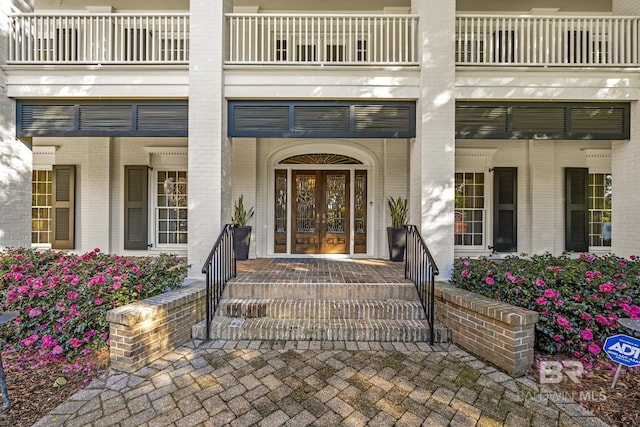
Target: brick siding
(142, 332)
(492, 330)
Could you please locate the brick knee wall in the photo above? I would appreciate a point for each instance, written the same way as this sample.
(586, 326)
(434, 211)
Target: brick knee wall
(143, 331)
(497, 332)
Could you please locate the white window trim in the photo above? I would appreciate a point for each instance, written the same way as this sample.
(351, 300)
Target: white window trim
(599, 161)
(169, 158)
(478, 160)
(43, 159)
(153, 212)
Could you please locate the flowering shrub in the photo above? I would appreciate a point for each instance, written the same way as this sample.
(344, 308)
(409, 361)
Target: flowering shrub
(579, 300)
(62, 299)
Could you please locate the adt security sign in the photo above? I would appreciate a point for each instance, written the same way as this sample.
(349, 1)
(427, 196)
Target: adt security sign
(623, 349)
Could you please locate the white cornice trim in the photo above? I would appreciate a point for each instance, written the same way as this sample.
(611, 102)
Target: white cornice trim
(597, 153)
(44, 149)
(167, 151)
(476, 152)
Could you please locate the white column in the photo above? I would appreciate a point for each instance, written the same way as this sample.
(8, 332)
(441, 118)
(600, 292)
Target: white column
(625, 164)
(433, 151)
(209, 148)
(15, 155)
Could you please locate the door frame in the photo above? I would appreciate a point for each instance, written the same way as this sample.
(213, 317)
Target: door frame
(371, 239)
(287, 148)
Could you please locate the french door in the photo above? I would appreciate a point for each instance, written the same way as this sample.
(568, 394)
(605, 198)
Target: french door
(320, 212)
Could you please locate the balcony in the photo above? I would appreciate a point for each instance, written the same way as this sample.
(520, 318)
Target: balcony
(99, 39)
(319, 40)
(322, 39)
(509, 40)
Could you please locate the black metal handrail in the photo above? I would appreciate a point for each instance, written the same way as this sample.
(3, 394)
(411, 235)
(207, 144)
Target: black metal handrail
(219, 267)
(421, 269)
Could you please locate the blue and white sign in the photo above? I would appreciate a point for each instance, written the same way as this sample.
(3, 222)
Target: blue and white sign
(623, 349)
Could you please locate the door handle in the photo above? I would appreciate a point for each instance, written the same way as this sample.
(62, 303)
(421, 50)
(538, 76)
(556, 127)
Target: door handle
(324, 217)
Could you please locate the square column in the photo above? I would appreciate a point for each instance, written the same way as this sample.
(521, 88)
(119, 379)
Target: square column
(625, 163)
(432, 153)
(209, 196)
(15, 155)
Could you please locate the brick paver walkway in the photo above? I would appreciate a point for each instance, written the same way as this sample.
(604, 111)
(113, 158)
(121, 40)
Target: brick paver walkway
(241, 383)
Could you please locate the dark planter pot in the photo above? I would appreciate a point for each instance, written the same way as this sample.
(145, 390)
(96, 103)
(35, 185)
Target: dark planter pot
(397, 238)
(241, 240)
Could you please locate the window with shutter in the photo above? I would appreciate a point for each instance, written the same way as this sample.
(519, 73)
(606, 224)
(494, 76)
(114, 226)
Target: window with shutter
(136, 211)
(505, 226)
(577, 209)
(63, 207)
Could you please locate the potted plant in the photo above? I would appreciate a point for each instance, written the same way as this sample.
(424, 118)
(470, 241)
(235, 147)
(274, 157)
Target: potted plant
(397, 234)
(241, 231)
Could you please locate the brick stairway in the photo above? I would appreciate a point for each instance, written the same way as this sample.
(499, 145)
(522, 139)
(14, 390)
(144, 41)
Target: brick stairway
(320, 300)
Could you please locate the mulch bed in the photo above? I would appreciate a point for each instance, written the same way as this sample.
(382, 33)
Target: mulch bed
(32, 392)
(617, 407)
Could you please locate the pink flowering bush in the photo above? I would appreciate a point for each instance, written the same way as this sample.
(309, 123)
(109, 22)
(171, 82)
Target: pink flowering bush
(579, 299)
(62, 299)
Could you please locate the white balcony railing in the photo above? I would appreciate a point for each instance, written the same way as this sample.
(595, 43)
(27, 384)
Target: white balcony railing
(547, 40)
(325, 39)
(296, 39)
(99, 38)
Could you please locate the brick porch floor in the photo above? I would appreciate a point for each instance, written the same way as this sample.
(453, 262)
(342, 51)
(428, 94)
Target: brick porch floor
(319, 270)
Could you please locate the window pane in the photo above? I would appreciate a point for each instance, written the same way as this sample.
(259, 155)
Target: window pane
(41, 196)
(171, 203)
(469, 209)
(599, 209)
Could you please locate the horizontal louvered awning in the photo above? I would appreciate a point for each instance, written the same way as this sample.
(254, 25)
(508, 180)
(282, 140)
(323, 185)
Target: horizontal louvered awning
(310, 119)
(548, 120)
(167, 118)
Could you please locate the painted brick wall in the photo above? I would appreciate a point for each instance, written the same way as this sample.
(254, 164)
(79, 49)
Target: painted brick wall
(209, 148)
(245, 185)
(96, 182)
(432, 153)
(625, 161)
(543, 207)
(15, 155)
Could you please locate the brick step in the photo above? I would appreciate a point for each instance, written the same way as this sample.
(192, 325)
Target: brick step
(376, 330)
(333, 291)
(320, 309)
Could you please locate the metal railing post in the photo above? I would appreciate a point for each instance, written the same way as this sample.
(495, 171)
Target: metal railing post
(219, 268)
(421, 269)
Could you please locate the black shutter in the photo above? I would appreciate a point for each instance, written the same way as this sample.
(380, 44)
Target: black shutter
(63, 207)
(135, 207)
(577, 209)
(505, 226)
